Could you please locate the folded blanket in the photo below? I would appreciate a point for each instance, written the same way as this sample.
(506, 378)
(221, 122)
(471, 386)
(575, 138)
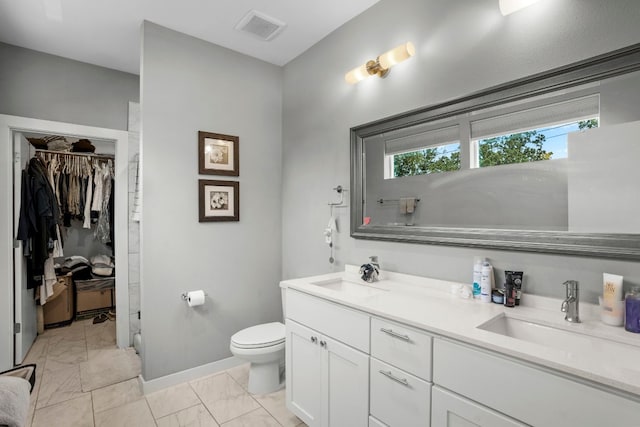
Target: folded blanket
(14, 401)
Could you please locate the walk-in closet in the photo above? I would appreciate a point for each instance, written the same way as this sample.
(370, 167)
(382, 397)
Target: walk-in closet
(66, 225)
(64, 202)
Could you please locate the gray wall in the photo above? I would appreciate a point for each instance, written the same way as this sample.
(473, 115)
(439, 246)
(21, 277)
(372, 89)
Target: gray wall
(43, 86)
(462, 47)
(188, 85)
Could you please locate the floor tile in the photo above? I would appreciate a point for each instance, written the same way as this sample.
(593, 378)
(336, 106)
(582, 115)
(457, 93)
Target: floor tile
(116, 395)
(72, 413)
(101, 335)
(38, 352)
(66, 352)
(134, 414)
(196, 416)
(58, 386)
(240, 374)
(275, 404)
(73, 332)
(107, 367)
(257, 418)
(223, 397)
(172, 399)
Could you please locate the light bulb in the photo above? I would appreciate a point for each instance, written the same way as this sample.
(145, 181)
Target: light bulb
(396, 55)
(357, 74)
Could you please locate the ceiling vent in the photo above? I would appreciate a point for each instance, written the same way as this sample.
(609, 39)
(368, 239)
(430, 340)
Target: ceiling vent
(260, 25)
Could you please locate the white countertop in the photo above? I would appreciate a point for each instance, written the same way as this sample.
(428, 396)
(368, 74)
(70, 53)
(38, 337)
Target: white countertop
(429, 304)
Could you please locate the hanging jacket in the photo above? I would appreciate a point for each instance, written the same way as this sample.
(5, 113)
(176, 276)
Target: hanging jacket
(39, 217)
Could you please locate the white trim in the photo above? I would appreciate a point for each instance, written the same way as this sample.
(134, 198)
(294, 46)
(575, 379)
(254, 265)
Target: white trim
(189, 374)
(10, 124)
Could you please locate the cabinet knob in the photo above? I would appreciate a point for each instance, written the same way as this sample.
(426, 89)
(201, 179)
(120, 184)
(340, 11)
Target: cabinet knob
(323, 344)
(314, 340)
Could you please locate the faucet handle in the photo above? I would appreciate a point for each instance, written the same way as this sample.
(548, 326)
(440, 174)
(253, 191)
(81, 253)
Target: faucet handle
(571, 284)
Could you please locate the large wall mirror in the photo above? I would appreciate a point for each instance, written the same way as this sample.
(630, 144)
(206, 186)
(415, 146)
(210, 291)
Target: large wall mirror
(548, 163)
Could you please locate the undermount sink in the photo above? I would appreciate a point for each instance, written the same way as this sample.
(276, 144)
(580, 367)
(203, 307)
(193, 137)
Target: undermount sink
(574, 343)
(348, 287)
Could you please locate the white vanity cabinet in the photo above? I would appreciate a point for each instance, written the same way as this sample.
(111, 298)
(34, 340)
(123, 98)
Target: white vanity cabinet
(327, 378)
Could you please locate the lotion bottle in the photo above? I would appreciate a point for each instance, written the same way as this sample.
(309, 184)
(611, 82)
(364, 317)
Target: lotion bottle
(486, 281)
(612, 300)
(477, 276)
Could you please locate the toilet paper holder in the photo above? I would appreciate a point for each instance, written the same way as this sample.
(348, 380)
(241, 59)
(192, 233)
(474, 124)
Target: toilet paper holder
(185, 295)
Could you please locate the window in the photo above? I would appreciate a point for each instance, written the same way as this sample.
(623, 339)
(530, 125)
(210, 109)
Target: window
(529, 146)
(520, 132)
(444, 158)
(425, 152)
(532, 134)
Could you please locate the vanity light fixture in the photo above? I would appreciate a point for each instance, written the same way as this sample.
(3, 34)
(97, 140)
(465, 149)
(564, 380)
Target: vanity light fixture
(507, 7)
(380, 66)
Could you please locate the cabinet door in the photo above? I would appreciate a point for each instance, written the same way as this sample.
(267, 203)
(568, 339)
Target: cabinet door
(345, 385)
(304, 358)
(451, 410)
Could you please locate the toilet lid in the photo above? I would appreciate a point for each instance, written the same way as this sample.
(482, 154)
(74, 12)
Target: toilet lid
(259, 336)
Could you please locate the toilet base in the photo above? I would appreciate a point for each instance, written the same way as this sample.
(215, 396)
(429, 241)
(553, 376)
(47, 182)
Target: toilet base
(265, 378)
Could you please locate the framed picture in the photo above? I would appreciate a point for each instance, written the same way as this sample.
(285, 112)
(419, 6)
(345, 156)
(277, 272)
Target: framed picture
(218, 154)
(219, 200)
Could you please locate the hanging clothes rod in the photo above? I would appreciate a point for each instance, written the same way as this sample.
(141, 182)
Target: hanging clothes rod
(382, 201)
(68, 153)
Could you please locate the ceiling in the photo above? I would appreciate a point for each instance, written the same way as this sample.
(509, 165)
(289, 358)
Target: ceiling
(107, 33)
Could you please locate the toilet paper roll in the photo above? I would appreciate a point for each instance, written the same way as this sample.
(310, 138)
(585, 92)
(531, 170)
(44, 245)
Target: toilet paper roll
(195, 298)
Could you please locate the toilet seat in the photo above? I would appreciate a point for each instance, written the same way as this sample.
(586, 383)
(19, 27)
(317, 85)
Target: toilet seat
(259, 336)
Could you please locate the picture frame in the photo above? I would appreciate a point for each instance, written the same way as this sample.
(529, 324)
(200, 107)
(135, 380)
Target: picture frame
(219, 200)
(218, 154)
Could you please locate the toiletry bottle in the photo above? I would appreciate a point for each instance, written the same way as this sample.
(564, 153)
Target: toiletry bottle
(477, 274)
(612, 300)
(485, 281)
(509, 290)
(632, 310)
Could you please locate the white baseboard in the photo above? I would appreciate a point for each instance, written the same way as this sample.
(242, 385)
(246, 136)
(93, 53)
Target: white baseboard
(189, 374)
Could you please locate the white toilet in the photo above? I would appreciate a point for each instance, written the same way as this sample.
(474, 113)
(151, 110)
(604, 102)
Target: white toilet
(263, 346)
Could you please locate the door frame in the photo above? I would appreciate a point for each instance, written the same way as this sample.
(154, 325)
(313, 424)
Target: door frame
(8, 126)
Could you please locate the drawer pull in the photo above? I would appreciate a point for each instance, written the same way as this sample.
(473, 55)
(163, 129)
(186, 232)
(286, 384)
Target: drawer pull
(314, 340)
(395, 334)
(389, 375)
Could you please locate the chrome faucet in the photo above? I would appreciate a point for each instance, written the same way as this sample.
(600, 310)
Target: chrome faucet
(370, 271)
(570, 305)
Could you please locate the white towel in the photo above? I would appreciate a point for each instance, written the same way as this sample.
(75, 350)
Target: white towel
(48, 280)
(14, 401)
(411, 204)
(403, 205)
(333, 225)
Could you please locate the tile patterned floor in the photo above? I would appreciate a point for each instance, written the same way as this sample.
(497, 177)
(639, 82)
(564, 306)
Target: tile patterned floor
(83, 379)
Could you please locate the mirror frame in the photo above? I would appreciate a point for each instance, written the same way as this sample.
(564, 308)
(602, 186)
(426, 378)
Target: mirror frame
(620, 246)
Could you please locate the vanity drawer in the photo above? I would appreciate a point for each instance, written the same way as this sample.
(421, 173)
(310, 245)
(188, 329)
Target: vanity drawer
(398, 398)
(336, 321)
(510, 387)
(402, 346)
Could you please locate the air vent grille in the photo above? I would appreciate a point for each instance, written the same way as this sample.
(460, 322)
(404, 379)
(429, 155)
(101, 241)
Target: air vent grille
(260, 25)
